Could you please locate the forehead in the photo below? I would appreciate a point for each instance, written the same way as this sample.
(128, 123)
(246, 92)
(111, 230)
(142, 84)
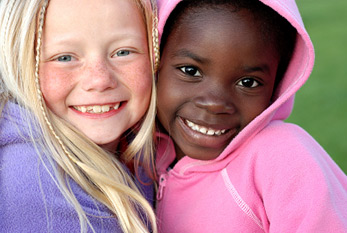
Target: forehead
(90, 23)
(214, 20)
(209, 28)
(87, 14)
(89, 8)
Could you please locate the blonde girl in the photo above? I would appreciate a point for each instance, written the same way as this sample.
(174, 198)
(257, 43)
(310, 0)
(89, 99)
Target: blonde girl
(76, 88)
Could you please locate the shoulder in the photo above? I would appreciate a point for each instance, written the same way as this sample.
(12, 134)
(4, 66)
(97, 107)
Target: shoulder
(284, 132)
(287, 141)
(287, 147)
(17, 124)
(31, 197)
(285, 157)
(299, 184)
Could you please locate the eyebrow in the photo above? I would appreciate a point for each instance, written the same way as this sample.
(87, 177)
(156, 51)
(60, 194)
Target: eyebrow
(262, 68)
(187, 53)
(74, 39)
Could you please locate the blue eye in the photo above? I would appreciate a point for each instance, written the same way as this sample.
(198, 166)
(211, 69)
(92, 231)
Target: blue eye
(122, 53)
(248, 82)
(191, 71)
(64, 58)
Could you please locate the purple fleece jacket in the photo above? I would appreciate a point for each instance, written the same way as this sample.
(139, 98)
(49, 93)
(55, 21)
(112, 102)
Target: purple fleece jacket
(30, 200)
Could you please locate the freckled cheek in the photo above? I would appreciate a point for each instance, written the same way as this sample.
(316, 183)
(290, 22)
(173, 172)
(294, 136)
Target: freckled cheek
(55, 84)
(139, 80)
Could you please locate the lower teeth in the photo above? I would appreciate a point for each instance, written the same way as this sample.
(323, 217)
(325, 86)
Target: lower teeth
(205, 131)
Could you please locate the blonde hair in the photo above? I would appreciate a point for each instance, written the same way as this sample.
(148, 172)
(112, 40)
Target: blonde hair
(97, 171)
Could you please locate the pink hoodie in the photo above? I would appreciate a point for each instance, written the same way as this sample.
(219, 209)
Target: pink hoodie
(272, 177)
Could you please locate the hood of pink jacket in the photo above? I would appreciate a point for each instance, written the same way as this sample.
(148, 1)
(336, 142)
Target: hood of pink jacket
(297, 73)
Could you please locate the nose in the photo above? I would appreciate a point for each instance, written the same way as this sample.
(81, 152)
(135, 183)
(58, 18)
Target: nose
(215, 100)
(98, 76)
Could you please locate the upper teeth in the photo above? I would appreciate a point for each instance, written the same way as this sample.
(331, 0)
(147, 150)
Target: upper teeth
(97, 108)
(204, 130)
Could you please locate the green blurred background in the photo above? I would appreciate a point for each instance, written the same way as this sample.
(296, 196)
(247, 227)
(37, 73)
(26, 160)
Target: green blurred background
(321, 104)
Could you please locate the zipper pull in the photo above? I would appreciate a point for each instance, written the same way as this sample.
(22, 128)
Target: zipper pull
(162, 184)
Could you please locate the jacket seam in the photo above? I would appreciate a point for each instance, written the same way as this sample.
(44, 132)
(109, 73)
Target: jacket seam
(238, 199)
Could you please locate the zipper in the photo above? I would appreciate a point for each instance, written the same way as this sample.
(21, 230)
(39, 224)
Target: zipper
(162, 184)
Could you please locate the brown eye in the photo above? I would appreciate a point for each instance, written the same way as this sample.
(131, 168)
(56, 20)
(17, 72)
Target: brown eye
(190, 70)
(248, 82)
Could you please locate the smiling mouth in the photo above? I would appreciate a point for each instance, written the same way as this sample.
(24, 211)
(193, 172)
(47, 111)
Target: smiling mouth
(97, 109)
(204, 130)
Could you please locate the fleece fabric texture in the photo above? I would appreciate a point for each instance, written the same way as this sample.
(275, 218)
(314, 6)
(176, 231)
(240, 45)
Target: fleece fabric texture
(272, 177)
(30, 200)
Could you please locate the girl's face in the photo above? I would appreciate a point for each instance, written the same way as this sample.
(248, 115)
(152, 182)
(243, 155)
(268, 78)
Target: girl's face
(217, 74)
(95, 68)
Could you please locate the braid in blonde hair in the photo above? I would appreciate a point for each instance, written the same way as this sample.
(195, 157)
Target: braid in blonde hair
(155, 35)
(37, 80)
